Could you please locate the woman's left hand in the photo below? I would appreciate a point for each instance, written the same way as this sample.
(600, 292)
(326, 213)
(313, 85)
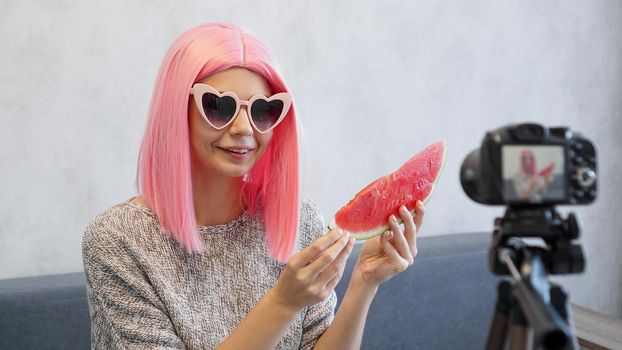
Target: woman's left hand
(387, 255)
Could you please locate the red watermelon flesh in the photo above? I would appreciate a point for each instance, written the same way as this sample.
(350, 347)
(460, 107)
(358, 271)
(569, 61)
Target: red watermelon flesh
(548, 170)
(367, 214)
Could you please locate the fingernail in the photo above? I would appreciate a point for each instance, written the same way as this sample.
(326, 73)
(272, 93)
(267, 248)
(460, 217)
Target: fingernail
(404, 210)
(339, 232)
(393, 219)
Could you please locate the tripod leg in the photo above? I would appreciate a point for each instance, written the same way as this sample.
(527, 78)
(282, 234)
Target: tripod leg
(499, 326)
(520, 335)
(559, 300)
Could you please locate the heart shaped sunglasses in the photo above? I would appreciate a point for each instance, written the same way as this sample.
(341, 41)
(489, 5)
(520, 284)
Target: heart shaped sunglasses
(219, 109)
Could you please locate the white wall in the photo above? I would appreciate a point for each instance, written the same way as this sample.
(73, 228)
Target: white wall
(374, 83)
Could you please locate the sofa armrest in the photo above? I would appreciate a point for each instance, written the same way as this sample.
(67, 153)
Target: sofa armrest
(45, 312)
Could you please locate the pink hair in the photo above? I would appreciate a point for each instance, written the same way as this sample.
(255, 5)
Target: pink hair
(530, 168)
(164, 162)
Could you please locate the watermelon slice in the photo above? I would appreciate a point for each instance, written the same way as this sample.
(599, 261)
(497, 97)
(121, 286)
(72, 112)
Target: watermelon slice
(547, 171)
(367, 214)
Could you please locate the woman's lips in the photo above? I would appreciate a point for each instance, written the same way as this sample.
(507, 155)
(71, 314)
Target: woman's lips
(236, 153)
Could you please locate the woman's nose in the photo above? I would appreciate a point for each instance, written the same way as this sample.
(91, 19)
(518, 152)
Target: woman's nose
(241, 124)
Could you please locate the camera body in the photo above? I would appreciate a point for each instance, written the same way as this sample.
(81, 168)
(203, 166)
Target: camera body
(529, 165)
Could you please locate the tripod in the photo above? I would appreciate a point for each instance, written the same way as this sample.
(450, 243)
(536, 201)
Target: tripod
(530, 312)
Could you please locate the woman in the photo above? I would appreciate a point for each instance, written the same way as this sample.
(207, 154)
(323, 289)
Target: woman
(528, 184)
(207, 256)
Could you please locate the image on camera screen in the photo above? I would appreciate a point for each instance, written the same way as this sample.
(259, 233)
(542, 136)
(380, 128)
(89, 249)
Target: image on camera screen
(533, 173)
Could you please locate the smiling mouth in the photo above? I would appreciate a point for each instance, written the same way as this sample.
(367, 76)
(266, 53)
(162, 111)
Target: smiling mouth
(236, 150)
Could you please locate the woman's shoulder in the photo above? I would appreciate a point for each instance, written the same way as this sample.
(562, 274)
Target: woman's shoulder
(117, 224)
(309, 209)
(312, 225)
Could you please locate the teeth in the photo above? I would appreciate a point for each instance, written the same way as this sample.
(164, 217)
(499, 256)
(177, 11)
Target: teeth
(237, 151)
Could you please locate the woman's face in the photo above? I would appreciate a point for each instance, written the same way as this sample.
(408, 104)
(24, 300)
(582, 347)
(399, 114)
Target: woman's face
(209, 146)
(528, 162)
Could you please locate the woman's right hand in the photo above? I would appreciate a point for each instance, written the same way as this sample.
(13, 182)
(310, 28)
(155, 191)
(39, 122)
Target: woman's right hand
(312, 274)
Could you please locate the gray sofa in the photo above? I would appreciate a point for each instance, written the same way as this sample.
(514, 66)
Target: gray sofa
(444, 302)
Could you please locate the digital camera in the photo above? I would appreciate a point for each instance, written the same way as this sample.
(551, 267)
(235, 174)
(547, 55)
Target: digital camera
(531, 165)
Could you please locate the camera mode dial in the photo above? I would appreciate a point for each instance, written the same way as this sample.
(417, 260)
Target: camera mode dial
(585, 176)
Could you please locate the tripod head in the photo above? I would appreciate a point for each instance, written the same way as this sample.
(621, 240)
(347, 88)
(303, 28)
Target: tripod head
(559, 256)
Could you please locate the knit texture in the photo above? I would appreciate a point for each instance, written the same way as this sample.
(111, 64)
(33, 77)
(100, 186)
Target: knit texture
(146, 292)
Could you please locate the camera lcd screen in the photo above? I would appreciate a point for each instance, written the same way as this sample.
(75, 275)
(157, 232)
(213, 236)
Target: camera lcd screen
(533, 174)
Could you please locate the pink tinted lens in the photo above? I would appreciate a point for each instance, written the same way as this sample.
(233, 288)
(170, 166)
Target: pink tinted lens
(218, 110)
(266, 113)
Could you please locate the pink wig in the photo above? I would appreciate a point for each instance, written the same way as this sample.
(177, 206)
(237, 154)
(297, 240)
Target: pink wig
(528, 168)
(164, 163)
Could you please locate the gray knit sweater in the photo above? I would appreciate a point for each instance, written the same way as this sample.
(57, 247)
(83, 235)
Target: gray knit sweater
(146, 292)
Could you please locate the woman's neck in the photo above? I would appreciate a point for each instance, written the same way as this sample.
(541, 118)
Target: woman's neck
(216, 198)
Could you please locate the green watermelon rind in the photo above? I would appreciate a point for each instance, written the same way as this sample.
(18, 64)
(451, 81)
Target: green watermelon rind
(365, 235)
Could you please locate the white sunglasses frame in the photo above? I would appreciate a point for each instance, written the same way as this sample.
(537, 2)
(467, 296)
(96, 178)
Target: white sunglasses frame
(199, 89)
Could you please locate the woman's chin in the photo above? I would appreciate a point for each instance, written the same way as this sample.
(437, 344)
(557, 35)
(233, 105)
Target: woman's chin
(232, 170)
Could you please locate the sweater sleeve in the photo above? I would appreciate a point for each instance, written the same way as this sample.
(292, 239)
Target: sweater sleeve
(318, 317)
(125, 310)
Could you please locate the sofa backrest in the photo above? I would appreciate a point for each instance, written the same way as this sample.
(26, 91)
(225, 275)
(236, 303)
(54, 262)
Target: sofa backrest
(444, 301)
